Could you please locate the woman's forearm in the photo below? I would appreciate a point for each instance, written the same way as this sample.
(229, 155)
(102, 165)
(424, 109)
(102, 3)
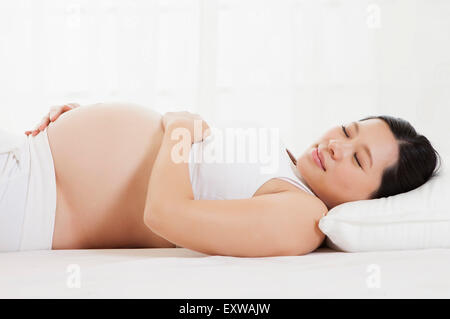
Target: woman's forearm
(169, 185)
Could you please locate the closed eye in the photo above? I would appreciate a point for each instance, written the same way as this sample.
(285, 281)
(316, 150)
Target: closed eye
(345, 132)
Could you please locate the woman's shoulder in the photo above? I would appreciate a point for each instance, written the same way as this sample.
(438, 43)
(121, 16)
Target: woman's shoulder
(313, 204)
(311, 209)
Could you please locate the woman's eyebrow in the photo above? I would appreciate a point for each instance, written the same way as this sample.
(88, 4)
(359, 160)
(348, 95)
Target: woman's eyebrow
(364, 146)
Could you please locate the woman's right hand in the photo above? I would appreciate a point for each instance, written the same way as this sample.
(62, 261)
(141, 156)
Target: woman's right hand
(53, 114)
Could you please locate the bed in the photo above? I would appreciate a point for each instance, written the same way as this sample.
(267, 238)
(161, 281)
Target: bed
(183, 273)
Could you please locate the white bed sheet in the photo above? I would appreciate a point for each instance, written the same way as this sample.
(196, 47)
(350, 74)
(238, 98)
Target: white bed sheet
(182, 273)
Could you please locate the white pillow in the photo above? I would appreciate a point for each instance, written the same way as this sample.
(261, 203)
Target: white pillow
(417, 219)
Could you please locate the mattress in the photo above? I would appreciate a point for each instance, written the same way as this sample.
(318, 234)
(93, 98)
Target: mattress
(183, 273)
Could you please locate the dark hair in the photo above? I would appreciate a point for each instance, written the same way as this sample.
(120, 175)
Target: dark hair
(417, 160)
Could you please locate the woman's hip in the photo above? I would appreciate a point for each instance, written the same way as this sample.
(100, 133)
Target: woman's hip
(28, 199)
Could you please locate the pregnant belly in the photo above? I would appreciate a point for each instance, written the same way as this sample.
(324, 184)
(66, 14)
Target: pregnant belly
(103, 156)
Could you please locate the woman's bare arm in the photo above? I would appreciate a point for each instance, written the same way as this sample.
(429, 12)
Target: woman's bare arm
(278, 224)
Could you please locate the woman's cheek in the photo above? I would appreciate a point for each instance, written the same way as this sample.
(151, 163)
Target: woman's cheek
(345, 180)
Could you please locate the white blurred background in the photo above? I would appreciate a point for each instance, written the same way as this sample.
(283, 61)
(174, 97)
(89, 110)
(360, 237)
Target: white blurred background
(300, 65)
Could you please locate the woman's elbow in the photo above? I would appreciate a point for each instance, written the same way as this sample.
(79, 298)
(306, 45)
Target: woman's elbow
(152, 214)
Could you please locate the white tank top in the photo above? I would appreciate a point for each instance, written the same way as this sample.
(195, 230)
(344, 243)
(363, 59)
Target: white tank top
(231, 179)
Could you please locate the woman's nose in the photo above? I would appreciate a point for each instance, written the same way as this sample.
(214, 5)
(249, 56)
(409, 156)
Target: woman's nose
(339, 149)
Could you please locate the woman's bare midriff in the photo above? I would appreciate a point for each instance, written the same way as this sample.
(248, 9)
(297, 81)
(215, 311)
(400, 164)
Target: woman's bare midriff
(103, 156)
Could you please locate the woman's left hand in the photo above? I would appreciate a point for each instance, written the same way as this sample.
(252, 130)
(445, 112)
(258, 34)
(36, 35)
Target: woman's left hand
(193, 122)
(54, 113)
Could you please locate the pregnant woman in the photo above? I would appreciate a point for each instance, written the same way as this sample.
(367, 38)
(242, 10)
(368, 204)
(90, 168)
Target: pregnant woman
(104, 176)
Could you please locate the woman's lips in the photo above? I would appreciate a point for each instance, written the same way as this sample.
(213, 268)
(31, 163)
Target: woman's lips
(316, 158)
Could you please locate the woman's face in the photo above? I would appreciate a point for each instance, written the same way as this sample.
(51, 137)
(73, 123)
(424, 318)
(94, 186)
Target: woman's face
(353, 164)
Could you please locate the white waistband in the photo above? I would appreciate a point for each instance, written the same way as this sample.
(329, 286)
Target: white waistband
(40, 208)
